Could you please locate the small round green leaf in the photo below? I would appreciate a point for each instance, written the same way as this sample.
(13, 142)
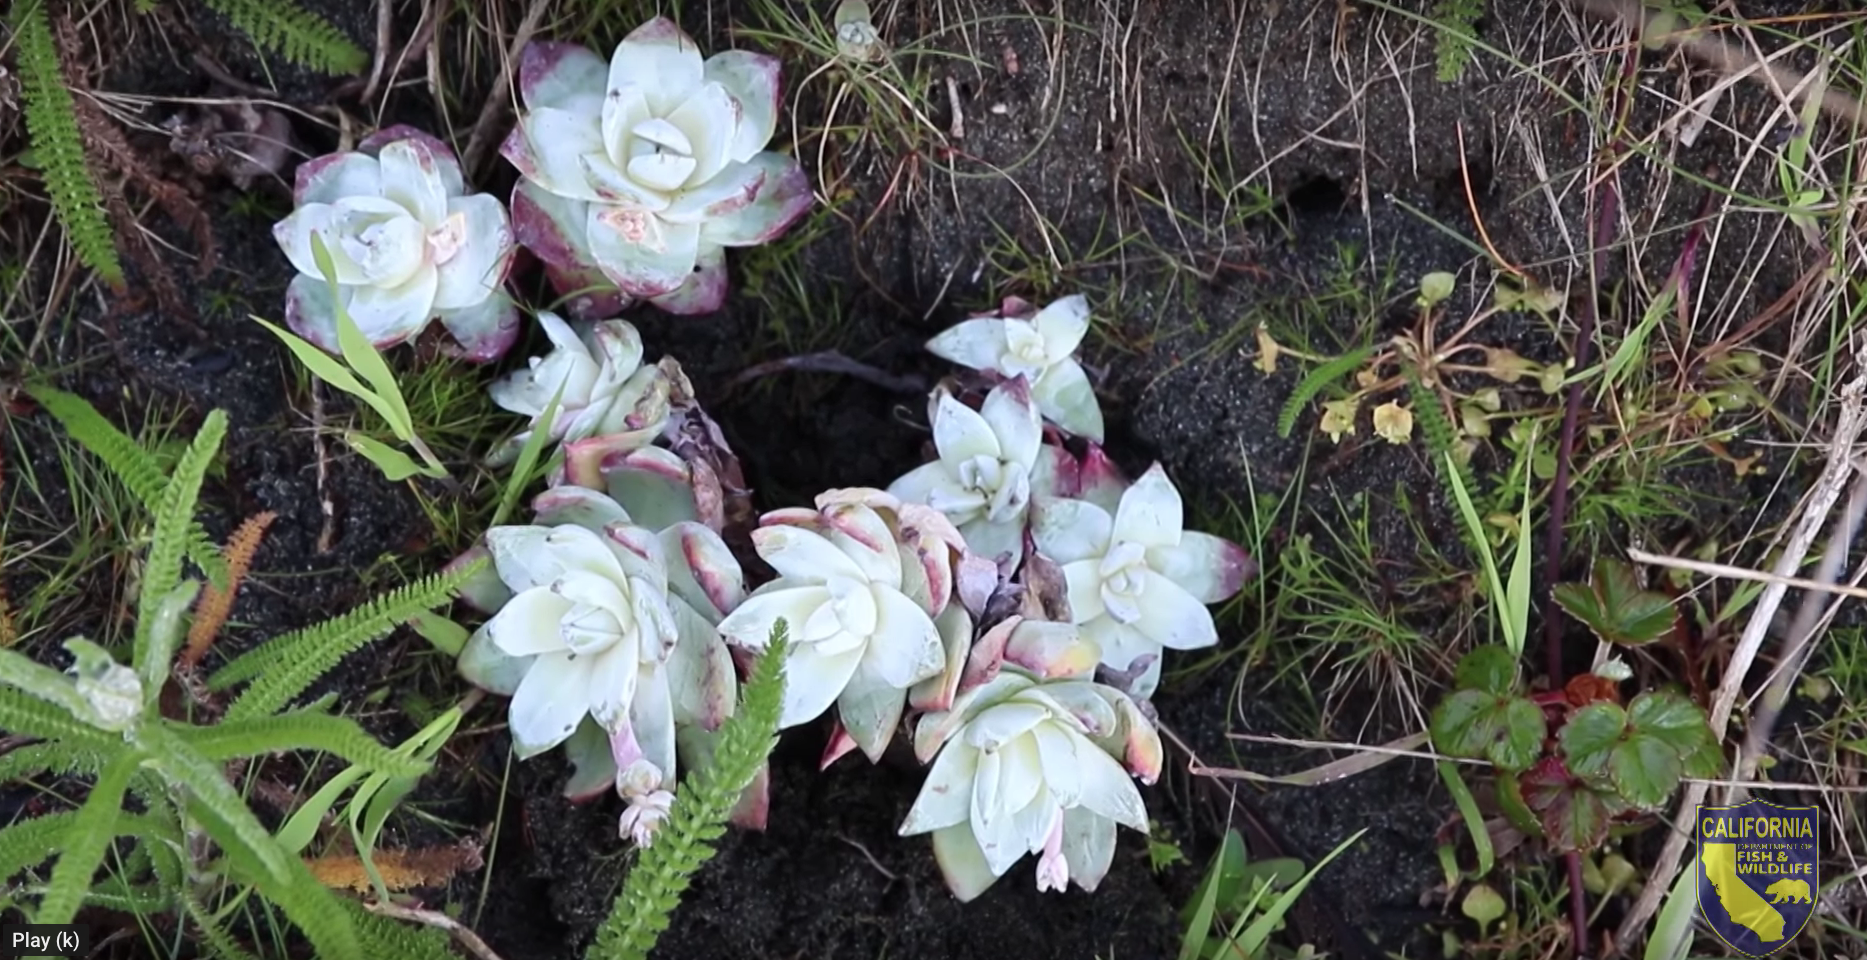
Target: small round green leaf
(1590, 735)
(1523, 729)
(1490, 668)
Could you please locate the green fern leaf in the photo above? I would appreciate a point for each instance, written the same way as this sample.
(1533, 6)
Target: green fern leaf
(84, 842)
(162, 568)
(295, 33)
(129, 461)
(27, 715)
(383, 937)
(215, 803)
(31, 842)
(667, 866)
(283, 668)
(299, 730)
(1457, 22)
(54, 757)
(1313, 383)
(52, 122)
(309, 904)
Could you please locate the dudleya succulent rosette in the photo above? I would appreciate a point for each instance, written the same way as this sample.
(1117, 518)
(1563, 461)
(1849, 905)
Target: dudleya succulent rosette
(1039, 345)
(606, 390)
(992, 462)
(599, 620)
(408, 245)
(1033, 758)
(860, 582)
(1139, 582)
(637, 173)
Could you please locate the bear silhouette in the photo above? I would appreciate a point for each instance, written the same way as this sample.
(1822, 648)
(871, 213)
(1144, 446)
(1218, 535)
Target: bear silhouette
(1788, 890)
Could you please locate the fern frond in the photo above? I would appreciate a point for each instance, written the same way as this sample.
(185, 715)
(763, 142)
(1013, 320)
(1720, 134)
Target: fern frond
(295, 33)
(52, 121)
(283, 668)
(55, 757)
(165, 635)
(84, 841)
(1456, 26)
(128, 461)
(299, 730)
(217, 603)
(33, 841)
(220, 942)
(1441, 439)
(384, 937)
(162, 567)
(1313, 382)
(705, 799)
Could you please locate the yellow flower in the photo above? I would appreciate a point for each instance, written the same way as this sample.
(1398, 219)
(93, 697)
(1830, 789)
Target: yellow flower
(1393, 422)
(1338, 418)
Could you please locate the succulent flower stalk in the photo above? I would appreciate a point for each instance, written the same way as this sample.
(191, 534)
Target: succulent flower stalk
(408, 244)
(639, 172)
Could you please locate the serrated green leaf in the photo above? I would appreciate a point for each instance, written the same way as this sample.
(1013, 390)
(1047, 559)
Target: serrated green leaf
(1590, 736)
(1615, 608)
(1574, 816)
(1644, 770)
(1522, 736)
(1490, 668)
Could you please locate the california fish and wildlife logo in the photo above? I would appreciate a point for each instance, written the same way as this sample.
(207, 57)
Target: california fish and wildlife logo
(1756, 873)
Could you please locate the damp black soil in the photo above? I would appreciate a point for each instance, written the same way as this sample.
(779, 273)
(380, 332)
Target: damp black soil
(1196, 168)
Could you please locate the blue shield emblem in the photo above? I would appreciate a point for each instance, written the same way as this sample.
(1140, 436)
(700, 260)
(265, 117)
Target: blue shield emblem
(1756, 873)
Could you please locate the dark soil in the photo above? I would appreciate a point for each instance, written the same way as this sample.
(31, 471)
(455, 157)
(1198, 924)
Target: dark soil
(1338, 123)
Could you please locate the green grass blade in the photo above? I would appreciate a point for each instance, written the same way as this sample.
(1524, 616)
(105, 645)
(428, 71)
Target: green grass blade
(1476, 528)
(1473, 817)
(1259, 933)
(528, 458)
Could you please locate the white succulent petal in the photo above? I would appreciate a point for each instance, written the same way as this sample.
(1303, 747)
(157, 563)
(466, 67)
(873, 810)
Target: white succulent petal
(905, 647)
(1088, 846)
(1057, 746)
(752, 79)
(1210, 568)
(478, 268)
(409, 178)
(1087, 597)
(662, 172)
(929, 482)
(486, 666)
(1067, 399)
(962, 863)
(976, 343)
(1172, 617)
(559, 140)
(391, 314)
(1068, 531)
(946, 797)
(615, 684)
(529, 623)
(641, 253)
(294, 235)
(1108, 790)
(651, 714)
(1003, 723)
(992, 539)
(1022, 773)
(601, 605)
(804, 555)
(961, 433)
(535, 556)
(661, 59)
(1063, 325)
(1080, 700)
(1150, 512)
(813, 680)
(549, 703)
(793, 602)
(624, 109)
(710, 119)
(1016, 423)
(870, 708)
(613, 183)
(332, 177)
(861, 533)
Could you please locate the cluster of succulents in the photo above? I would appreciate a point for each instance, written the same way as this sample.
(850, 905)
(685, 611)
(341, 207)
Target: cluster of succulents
(1009, 601)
